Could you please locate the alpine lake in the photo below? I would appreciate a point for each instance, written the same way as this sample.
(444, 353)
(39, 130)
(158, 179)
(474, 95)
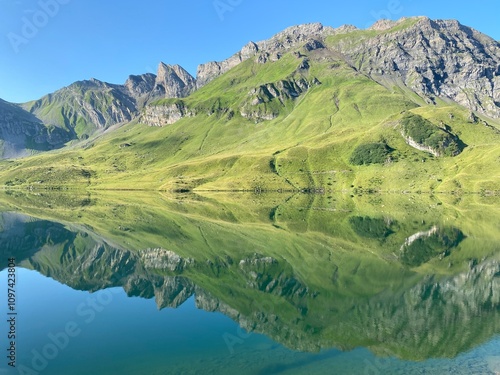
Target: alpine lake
(242, 283)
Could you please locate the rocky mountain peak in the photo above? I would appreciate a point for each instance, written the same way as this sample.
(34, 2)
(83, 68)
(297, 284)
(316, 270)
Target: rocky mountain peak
(302, 32)
(270, 49)
(173, 81)
(91, 83)
(249, 50)
(383, 24)
(140, 85)
(434, 58)
(345, 29)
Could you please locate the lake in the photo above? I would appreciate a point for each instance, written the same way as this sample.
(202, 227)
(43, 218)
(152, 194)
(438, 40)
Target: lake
(219, 283)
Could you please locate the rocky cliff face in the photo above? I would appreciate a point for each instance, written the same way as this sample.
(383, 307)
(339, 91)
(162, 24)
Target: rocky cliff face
(140, 87)
(168, 114)
(22, 133)
(436, 59)
(269, 50)
(173, 81)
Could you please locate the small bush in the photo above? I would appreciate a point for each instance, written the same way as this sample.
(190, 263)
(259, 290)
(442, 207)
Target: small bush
(370, 227)
(371, 153)
(425, 133)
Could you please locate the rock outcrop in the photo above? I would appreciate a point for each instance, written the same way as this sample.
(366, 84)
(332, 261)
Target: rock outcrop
(173, 81)
(21, 133)
(259, 104)
(424, 136)
(161, 259)
(165, 114)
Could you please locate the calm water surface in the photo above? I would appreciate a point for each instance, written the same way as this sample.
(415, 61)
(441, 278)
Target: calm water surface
(303, 285)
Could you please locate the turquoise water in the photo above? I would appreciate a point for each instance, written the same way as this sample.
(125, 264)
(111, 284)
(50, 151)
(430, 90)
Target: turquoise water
(130, 336)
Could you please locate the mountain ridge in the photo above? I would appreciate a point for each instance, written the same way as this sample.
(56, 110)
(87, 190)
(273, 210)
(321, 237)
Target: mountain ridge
(173, 81)
(339, 98)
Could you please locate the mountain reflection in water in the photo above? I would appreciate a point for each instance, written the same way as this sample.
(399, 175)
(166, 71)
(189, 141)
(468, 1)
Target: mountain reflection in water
(414, 287)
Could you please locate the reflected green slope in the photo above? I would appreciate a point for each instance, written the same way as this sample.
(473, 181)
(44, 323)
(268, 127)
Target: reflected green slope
(308, 277)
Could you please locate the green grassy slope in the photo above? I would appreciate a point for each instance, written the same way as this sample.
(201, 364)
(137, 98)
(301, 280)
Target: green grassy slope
(309, 145)
(84, 107)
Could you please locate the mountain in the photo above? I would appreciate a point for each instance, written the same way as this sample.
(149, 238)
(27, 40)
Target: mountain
(21, 133)
(85, 107)
(88, 106)
(407, 105)
(80, 110)
(435, 59)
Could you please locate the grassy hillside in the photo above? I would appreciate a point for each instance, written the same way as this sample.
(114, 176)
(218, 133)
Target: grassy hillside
(84, 107)
(250, 131)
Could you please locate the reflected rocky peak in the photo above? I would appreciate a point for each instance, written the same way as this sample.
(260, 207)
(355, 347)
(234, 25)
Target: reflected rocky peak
(22, 236)
(162, 259)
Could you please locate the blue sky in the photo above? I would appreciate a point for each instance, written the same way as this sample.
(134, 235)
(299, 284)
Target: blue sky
(46, 47)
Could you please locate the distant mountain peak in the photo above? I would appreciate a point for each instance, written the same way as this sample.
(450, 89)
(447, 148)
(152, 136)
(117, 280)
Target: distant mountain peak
(434, 58)
(437, 59)
(173, 81)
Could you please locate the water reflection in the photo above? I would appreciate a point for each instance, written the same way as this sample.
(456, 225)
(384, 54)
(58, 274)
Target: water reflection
(407, 286)
(422, 246)
(369, 227)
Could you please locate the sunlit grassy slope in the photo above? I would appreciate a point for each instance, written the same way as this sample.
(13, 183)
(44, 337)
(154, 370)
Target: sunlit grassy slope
(308, 146)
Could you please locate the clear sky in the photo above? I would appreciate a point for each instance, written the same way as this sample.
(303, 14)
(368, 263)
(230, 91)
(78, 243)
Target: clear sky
(46, 47)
